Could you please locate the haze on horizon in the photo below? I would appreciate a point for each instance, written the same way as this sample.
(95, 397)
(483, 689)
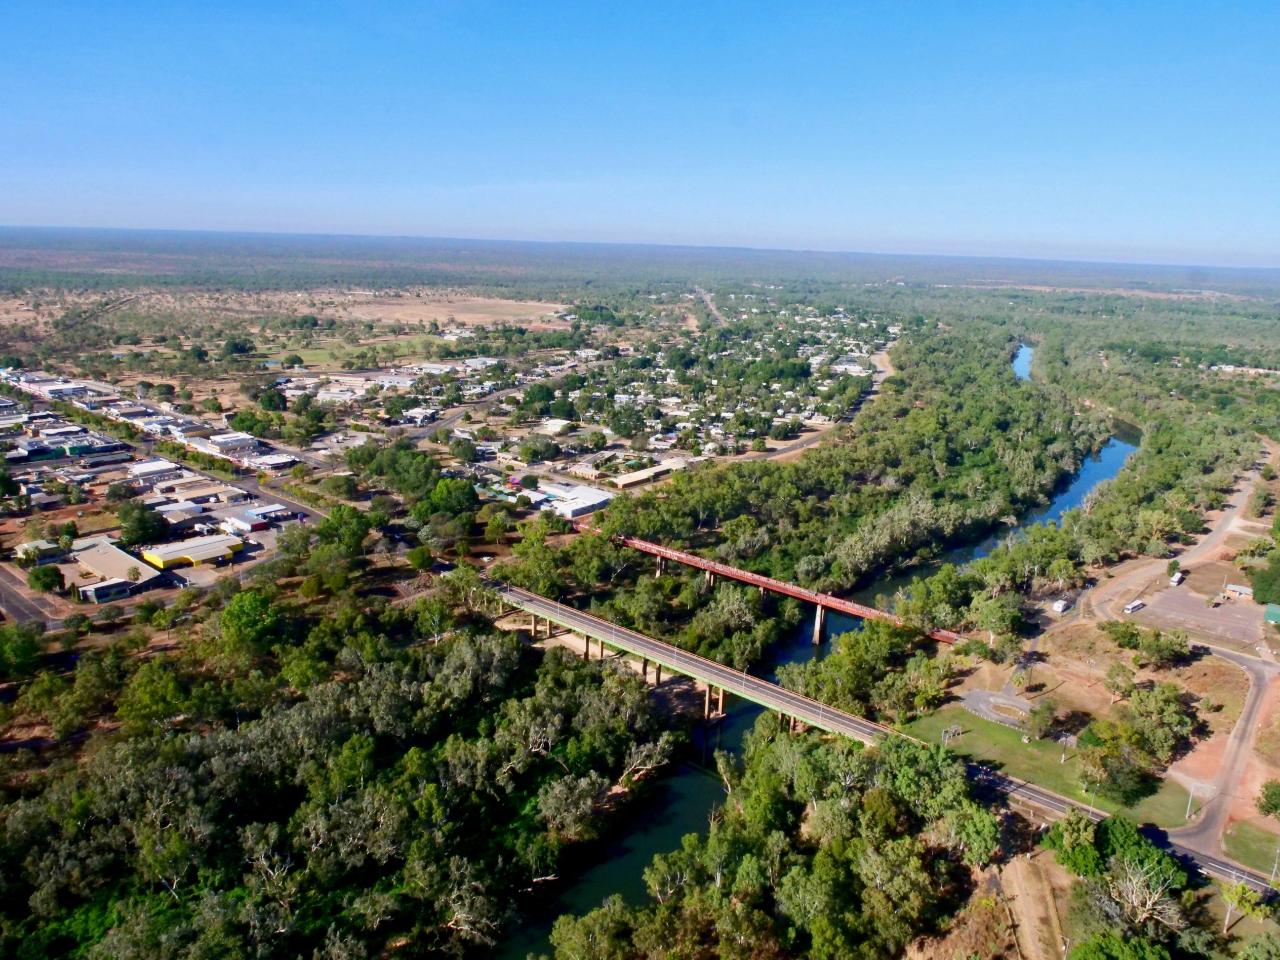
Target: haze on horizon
(1079, 132)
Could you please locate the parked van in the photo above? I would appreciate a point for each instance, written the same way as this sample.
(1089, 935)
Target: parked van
(1133, 606)
(1177, 578)
(1062, 605)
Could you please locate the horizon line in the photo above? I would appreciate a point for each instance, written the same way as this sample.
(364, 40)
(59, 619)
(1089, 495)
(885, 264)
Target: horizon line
(723, 247)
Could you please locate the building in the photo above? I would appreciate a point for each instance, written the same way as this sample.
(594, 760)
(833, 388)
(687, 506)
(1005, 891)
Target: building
(230, 444)
(635, 478)
(122, 574)
(271, 511)
(573, 500)
(214, 548)
(551, 427)
(153, 471)
(40, 551)
(244, 521)
(273, 461)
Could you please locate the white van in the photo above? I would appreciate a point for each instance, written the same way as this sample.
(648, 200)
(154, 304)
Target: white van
(1062, 605)
(1177, 578)
(1133, 606)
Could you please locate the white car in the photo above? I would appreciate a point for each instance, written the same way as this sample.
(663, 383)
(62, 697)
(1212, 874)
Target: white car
(1133, 606)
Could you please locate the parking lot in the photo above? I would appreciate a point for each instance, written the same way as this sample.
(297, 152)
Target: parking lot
(1235, 623)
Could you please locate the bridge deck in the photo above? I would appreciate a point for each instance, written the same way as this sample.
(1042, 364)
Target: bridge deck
(741, 684)
(816, 714)
(827, 600)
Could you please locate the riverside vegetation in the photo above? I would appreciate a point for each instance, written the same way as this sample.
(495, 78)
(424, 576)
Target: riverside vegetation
(300, 768)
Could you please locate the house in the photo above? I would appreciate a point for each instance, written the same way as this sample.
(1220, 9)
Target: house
(585, 469)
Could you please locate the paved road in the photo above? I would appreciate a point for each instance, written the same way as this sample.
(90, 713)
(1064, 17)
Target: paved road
(14, 602)
(1102, 602)
(835, 721)
(718, 675)
(1205, 834)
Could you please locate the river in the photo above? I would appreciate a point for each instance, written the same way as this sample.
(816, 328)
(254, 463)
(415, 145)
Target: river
(1022, 362)
(682, 803)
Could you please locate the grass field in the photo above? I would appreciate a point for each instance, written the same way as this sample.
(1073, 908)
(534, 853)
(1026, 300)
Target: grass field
(1251, 845)
(1040, 762)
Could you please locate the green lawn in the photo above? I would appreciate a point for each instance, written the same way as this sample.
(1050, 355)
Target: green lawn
(1252, 846)
(1040, 763)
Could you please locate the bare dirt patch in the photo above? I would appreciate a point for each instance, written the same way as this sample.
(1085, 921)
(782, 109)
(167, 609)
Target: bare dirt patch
(1031, 898)
(1079, 656)
(981, 929)
(425, 305)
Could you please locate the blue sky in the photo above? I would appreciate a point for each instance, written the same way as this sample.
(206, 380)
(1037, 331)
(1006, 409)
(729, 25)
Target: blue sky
(1123, 131)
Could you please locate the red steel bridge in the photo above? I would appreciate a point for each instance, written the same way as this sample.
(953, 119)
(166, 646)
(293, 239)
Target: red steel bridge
(821, 601)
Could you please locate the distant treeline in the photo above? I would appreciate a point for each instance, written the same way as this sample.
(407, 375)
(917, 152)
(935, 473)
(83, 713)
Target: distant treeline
(43, 257)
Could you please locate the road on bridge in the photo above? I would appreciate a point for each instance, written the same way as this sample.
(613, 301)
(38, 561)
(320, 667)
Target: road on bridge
(817, 714)
(762, 692)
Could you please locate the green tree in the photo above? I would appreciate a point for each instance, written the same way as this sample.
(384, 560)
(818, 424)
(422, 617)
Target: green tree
(1073, 841)
(1041, 719)
(139, 524)
(1269, 799)
(46, 579)
(1114, 946)
(151, 696)
(345, 526)
(247, 626)
(454, 496)
(20, 649)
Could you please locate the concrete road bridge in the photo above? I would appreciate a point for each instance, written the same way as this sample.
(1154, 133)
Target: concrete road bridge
(720, 679)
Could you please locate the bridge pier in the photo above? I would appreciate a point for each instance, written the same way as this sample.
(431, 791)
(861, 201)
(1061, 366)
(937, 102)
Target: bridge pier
(819, 618)
(706, 704)
(662, 567)
(644, 669)
(720, 701)
(657, 674)
(710, 578)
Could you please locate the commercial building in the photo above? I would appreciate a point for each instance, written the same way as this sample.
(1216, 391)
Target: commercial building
(244, 521)
(154, 471)
(211, 549)
(233, 443)
(573, 500)
(122, 573)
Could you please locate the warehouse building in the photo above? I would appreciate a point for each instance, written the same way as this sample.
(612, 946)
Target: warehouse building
(215, 548)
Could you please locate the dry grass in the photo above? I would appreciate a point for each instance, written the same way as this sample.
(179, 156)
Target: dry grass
(1267, 744)
(1080, 655)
